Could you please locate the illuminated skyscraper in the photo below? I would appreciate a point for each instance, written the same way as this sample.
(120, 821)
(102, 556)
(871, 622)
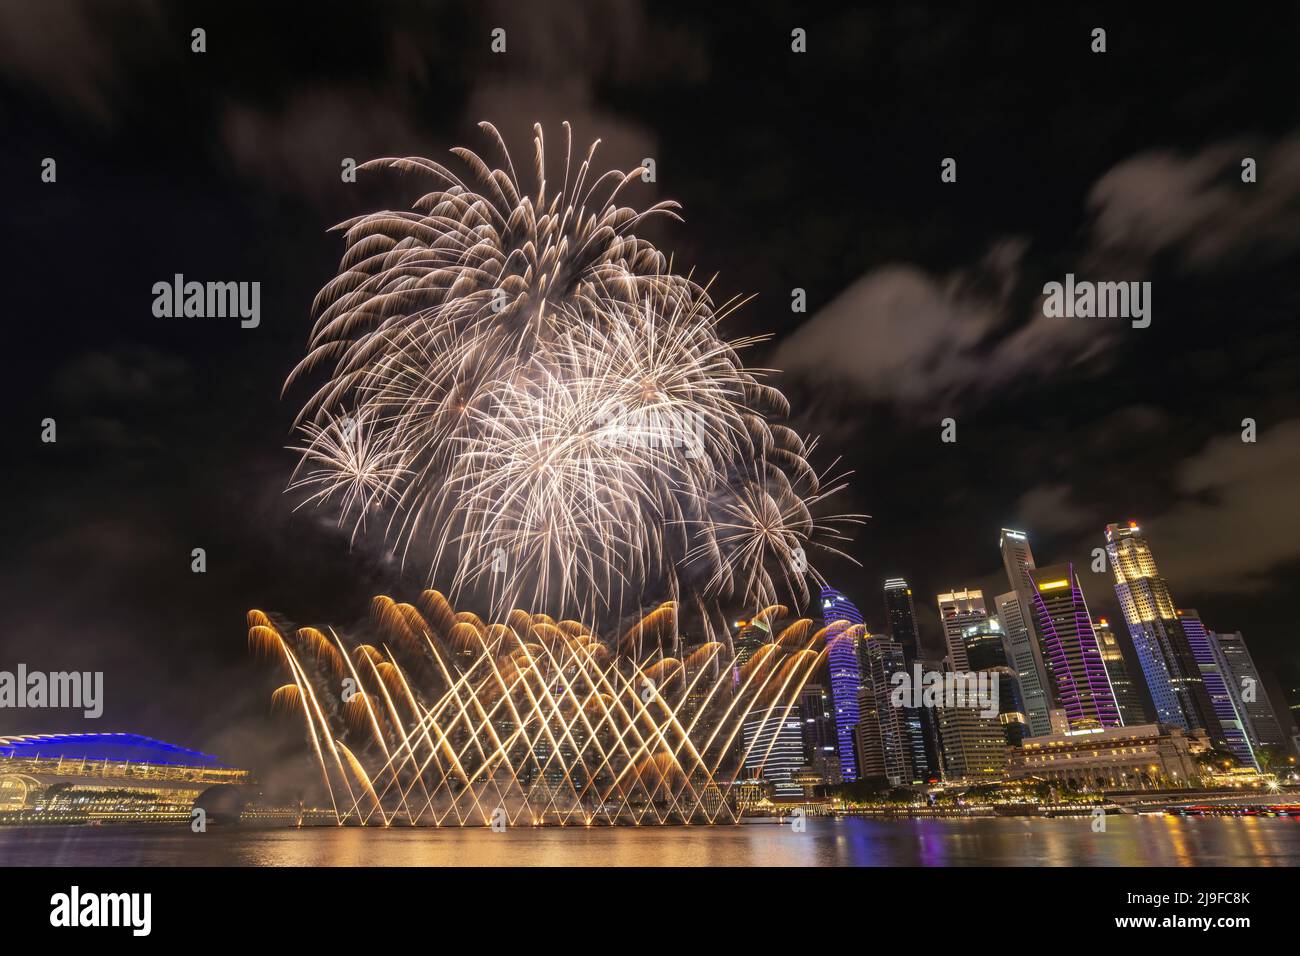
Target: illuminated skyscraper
(1253, 704)
(900, 612)
(774, 749)
(883, 744)
(1168, 664)
(1127, 696)
(1228, 730)
(986, 651)
(957, 611)
(1074, 664)
(750, 636)
(974, 746)
(819, 751)
(1023, 642)
(843, 649)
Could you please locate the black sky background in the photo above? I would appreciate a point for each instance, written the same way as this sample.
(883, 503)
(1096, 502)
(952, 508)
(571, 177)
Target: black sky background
(818, 171)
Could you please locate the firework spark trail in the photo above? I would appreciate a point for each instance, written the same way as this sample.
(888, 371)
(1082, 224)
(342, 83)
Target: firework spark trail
(534, 720)
(522, 392)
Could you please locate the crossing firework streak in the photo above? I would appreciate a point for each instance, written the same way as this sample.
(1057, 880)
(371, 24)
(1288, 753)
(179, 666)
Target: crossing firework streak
(523, 393)
(445, 720)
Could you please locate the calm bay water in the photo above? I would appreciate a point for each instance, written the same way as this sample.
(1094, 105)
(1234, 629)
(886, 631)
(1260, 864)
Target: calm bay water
(1128, 841)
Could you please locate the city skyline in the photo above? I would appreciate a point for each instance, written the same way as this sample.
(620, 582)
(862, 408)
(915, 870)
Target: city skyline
(892, 307)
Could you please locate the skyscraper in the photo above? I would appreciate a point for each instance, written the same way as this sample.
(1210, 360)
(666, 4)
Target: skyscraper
(974, 746)
(927, 722)
(750, 636)
(1228, 725)
(843, 637)
(1023, 655)
(1253, 704)
(882, 659)
(900, 613)
(1074, 664)
(774, 749)
(819, 751)
(1168, 664)
(986, 651)
(957, 611)
(1127, 696)
(1024, 649)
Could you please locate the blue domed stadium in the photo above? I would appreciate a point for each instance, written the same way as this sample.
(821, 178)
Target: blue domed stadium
(134, 748)
(118, 777)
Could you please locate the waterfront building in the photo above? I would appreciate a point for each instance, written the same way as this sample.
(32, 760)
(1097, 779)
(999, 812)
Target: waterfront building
(974, 745)
(1024, 649)
(1168, 665)
(882, 727)
(1229, 730)
(843, 657)
(900, 612)
(1246, 686)
(1080, 684)
(1128, 697)
(819, 750)
(774, 750)
(1142, 757)
(113, 777)
(986, 652)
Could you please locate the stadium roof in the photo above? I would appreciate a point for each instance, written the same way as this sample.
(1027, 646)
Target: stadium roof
(132, 747)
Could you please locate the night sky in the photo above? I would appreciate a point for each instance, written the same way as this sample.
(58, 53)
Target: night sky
(818, 171)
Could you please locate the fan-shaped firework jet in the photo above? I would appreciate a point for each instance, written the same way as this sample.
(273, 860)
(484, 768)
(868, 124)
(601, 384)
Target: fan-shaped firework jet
(524, 394)
(445, 720)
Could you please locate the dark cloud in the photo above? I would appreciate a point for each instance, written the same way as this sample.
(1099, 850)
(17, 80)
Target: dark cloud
(903, 337)
(77, 51)
(1195, 207)
(1236, 523)
(1050, 509)
(128, 374)
(299, 146)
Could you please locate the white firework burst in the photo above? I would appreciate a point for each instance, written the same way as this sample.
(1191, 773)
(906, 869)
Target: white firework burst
(549, 410)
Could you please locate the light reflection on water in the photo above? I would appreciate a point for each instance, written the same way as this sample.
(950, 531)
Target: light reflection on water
(1128, 841)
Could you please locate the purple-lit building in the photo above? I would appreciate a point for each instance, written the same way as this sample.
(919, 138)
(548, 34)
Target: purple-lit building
(843, 640)
(1070, 651)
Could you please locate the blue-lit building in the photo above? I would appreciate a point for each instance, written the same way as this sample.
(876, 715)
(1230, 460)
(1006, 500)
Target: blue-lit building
(114, 748)
(122, 777)
(843, 639)
(1232, 729)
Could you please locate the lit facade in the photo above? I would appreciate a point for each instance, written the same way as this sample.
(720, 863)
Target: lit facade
(1128, 697)
(1244, 683)
(1172, 667)
(1143, 757)
(1024, 650)
(1074, 663)
(843, 657)
(819, 750)
(883, 743)
(974, 746)
(986, 651)
(1230, 729)
(900, 612)
(774, 751)
(117, 777)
